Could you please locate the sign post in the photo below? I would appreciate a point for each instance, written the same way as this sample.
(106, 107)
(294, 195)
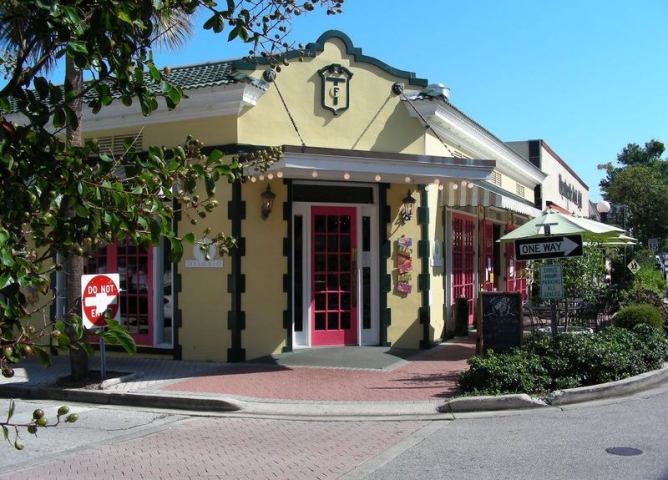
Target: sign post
(549, 247)
(633, 266)
(100, 300)
(551, 282)
(557, 246)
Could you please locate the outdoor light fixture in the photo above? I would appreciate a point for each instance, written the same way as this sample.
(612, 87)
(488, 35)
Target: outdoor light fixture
(407, 212)
(267, 201)
(603, 208)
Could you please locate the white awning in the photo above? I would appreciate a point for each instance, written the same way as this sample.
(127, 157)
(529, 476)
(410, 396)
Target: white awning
(471, 194)
(363, 166)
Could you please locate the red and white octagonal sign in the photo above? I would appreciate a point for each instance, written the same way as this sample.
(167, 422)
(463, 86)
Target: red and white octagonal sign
(99, 294)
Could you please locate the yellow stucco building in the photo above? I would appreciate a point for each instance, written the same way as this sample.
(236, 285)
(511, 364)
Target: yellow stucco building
(387, 204)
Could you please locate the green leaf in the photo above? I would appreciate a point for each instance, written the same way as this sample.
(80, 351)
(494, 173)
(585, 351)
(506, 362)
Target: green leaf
(214, 156)
(189, 238)
(216, 22)
(234, 33)
(124, 16)
(7, 261)
(72, 119)
(42, 87)
(44, 358)
(81, 211)
(156, 231)
(77, 326)
(59, 118)
(115, 334)
(210, 184)
(154, 72)
(74, 48)
(177, 250)
(10, 412)
(71, 14)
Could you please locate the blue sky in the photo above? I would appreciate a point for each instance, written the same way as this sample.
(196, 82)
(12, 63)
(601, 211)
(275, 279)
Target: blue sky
(586, 76)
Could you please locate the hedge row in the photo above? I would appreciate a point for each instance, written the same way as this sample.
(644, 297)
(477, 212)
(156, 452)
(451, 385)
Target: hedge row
(544, 363)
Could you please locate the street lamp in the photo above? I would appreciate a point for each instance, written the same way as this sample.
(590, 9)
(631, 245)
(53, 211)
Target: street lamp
(603, 208)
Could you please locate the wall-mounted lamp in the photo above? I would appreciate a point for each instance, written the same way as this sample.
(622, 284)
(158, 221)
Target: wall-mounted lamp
(407, 212)
(267, 201)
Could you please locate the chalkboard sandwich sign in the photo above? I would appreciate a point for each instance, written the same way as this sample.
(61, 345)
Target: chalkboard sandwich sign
(501, 320)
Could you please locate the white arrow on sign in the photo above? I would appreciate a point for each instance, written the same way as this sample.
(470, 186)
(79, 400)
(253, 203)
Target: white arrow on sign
(564, 247)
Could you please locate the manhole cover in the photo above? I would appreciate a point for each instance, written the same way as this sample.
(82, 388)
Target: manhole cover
(624, 451)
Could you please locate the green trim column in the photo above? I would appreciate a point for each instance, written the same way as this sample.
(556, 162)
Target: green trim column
(236, 281)
(384, 253)
(177, 317)
(424, 278)
(289, 312)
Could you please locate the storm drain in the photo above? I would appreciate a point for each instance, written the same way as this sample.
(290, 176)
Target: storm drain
(624, 451)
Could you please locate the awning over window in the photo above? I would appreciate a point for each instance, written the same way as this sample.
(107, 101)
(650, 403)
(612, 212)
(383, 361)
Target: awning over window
(480, 193)
(363, 166)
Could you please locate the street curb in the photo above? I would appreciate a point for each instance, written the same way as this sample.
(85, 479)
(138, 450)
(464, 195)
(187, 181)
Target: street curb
(617, 388)
(101, 397)
(490, 403)
(568, 396)
(251, 406)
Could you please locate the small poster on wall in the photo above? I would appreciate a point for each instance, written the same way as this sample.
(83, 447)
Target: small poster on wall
(404, 264)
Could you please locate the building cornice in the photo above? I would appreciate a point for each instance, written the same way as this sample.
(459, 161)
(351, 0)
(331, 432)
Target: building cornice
(456, 129)
(219, 101)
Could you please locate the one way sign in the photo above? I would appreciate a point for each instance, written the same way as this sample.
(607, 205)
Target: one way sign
(556, 246)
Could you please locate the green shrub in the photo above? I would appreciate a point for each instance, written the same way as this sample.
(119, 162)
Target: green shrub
(544, 363)
(643, 313)
(514, 371)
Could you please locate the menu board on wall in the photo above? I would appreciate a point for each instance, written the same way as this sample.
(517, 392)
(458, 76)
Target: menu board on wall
(501, 320)
(404, 264)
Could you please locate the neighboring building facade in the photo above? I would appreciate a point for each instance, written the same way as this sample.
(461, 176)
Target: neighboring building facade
(562, 189)
(339, 260)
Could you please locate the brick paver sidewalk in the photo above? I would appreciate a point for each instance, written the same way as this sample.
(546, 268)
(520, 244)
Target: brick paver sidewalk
(430, 376)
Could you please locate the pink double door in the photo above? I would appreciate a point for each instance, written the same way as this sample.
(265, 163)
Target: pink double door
(333, 276)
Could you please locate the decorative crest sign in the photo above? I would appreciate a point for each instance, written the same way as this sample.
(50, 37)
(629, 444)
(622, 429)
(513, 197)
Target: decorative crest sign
(335, 89)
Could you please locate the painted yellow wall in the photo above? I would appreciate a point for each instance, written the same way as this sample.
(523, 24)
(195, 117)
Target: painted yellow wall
(405, 330)
(204, 299)
(434, 146)
(264, 266)
(376, 119)
(211, 131)
(510, 185)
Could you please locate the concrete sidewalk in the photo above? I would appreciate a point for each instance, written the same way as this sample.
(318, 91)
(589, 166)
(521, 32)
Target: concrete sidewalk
(336, 382)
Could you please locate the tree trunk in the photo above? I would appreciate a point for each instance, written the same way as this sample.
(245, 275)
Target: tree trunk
(74, 263)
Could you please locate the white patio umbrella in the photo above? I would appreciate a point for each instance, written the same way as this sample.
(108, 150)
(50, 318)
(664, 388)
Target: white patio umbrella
(558, 223)
(621, 240)
(554, 223)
